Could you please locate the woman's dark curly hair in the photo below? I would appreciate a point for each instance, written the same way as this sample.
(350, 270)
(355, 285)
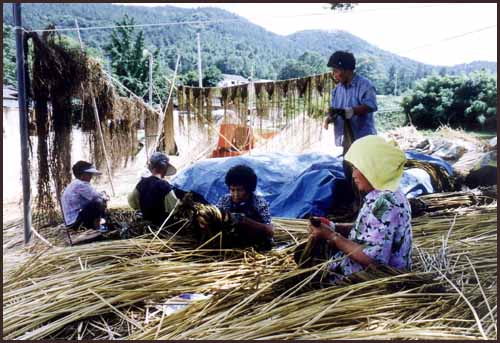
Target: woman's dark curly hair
(242, 175)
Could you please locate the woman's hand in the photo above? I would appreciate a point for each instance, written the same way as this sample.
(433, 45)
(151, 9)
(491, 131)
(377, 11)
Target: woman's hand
(321, 232)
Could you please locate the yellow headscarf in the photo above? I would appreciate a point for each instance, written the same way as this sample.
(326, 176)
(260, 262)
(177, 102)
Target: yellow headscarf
(380, 162)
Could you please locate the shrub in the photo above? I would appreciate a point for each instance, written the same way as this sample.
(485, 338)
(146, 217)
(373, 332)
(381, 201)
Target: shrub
(469, 102)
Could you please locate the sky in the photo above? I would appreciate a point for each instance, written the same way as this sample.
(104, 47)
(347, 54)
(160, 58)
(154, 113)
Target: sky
(433, 33)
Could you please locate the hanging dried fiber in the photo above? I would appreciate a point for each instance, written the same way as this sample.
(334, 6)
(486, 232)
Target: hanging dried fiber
(225, 100)
(43, 201)
(243, 103)
(169, 145)
(207, 101)
(61, 75)
(180, 105)
(57, 76)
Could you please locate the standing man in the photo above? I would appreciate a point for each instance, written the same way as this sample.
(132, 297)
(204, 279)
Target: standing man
(352, 108)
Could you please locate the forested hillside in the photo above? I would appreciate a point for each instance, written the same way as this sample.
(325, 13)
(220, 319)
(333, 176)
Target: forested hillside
(229, 43)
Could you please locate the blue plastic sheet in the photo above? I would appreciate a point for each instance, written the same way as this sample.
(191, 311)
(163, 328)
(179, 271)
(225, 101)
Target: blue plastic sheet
(292, 184)
(416, 182)
(295, 185)
(414, 155)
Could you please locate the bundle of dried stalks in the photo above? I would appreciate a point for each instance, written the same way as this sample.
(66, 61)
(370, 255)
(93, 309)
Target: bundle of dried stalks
(100, 288)
(451, 293)
(442, 201)
(441, 180)
(461, 135)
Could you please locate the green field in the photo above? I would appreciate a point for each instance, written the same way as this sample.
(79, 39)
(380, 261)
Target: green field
(390, 114)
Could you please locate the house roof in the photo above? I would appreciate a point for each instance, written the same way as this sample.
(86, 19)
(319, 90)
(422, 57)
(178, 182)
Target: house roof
(232, 77)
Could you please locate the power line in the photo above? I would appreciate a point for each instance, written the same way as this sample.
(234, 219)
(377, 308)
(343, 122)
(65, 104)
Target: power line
(138, 25)
(199, 22)
(398, 8)
(451, 38)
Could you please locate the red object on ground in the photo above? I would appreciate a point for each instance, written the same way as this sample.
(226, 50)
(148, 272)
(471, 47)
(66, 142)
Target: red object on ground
(234, 136)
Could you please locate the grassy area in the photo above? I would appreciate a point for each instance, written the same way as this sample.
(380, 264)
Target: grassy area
(390, 114)
(482, 134)
(486, 135)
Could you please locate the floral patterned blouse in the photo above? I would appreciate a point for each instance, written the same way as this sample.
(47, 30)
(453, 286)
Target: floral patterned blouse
(383, 227)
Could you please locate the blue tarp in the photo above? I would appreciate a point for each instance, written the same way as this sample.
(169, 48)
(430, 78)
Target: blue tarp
(294, 184)
(414, 155)
(291, 183)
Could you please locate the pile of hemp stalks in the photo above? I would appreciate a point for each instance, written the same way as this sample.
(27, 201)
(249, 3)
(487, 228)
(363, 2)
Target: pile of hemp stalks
(122, 289)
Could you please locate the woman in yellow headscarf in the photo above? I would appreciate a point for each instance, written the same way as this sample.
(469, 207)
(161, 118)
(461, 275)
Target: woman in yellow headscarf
(382, 232)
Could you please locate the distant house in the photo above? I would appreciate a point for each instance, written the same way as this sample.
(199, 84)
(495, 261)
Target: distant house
(262, 81)
(9, 97)
(232, 80)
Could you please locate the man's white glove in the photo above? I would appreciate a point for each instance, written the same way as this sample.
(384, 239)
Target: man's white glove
(349, 112)
(345, 113)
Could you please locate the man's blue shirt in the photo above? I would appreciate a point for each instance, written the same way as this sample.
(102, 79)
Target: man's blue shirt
(360, 92)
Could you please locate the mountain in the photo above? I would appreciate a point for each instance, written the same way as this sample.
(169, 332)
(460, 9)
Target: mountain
(471, 67)
(230, 42)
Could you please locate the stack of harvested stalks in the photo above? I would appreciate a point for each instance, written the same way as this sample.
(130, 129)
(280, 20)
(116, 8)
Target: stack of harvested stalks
(104, 288)
(88, 286)
(442, 201)
(438, 308)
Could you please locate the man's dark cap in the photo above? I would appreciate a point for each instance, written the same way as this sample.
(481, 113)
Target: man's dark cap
(81, 167)
(342, 60)
(160, 159)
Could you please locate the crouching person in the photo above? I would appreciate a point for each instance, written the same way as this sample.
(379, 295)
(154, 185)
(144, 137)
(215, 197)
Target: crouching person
(81, 204)
(153, 195)
(382, 233)
(248, 212)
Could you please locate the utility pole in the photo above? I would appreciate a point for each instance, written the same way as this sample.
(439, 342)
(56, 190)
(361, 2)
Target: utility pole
(151, 79)
(23, 121)
(81, 47)
(396, 83)
(200, 77)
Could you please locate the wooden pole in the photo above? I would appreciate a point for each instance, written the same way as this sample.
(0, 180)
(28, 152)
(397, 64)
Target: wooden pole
(200, 77)
(160, 125)
(168, 129)
(150, 78)
(98, 121)
(23, 122)
(81, 47)
(99, 130)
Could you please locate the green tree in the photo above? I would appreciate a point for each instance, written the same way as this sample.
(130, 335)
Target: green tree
(315, 61)
(190, 78)
(231, 64)
(369, 67)
(211, 77)
(390, 83)
(469, 102)
(9, 57)
(294, 69)
(129, 63)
